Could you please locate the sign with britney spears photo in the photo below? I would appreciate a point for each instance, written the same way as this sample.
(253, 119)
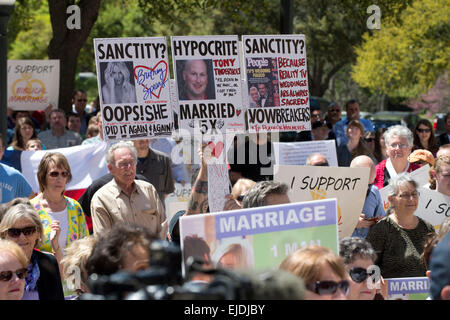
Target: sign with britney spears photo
(133, 80)
(260, 238)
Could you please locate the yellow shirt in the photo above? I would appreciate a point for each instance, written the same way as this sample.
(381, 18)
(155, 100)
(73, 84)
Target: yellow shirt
(110, 205)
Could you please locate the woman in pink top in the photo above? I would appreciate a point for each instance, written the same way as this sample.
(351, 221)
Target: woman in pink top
(399, 143)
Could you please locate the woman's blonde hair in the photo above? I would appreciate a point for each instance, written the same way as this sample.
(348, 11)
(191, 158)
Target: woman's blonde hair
(15, 250)
(307, 263)
(75, 259)
(22, 211)
(59, 160)
(243, 182)
(437, 168)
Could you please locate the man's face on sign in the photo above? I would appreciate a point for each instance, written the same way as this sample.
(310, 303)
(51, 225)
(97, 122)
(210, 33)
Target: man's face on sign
(195, 77)
(262, 89)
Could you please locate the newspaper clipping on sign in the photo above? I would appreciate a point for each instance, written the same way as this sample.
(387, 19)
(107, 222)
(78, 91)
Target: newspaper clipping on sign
(277, 81)
(133, 80)
(208, 80)
(32, 84)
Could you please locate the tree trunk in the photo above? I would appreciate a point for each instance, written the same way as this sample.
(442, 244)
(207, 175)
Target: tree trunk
(66, 44)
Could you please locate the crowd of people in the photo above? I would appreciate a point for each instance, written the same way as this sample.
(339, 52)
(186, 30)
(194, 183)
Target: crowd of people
(48, 239)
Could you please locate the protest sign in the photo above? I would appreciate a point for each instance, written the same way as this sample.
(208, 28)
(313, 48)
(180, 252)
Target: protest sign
(347, 185)
(218, 186)
(296, 153)
(32, 84)
(133, 81)
(264, 236)
(417, 288)
(208, 78)
(420, 176)
(178, 199)
(433, 207)
(277, 82)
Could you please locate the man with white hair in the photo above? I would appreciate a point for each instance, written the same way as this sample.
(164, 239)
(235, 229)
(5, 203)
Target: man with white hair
(125, 199)
(373, 205)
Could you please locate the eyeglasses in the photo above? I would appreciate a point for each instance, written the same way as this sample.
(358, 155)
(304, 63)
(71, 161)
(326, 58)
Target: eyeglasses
(399, 146)
(15, 232)
(7, 275)
(334, 110)
(369, 139)
(358, 274)
(409, 196)
(329, 287)
(82, 100)
(55, 174)
(424, 130)
(315, 115)
(125, 165)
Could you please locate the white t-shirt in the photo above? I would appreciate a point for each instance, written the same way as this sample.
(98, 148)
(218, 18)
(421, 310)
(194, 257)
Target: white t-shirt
(63, 218)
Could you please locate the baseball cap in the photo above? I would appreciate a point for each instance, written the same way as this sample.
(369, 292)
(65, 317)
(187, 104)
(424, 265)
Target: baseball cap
(421, 155)
(440, 268)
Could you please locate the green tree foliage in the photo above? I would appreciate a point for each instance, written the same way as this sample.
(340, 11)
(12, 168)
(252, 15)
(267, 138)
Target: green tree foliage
(408, 54)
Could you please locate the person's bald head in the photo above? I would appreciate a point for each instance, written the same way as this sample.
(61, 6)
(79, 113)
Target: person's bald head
(365, 162)
(444, 150)
(316, 159)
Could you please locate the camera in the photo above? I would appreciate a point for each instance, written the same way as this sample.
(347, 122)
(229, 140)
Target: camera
(163, 281)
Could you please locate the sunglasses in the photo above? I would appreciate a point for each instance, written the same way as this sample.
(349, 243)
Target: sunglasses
(321, 164)
(15, 232)
(334, 110)
(329, 287)
(369, 139)
(55, 174)
(7, 275)
(82, 100)
(359, 274)
(424, 130)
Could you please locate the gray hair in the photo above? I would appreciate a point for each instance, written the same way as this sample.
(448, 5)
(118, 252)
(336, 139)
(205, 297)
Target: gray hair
(399, 131)
(22, 211)
(256, 196)
(352, 248)
(399, 181)
(121, 144)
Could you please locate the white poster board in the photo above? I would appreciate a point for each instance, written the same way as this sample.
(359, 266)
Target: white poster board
(277, 82)
(208, 80)
(133, 82)
(32, 84)
(347, 185)
(296, 153)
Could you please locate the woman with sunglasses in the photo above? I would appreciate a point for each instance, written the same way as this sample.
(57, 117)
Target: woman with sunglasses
(13, 270)
(321, 270)
(424, 137)
(359, 258)
(22, 225)
(62, 217)
(399, 238)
